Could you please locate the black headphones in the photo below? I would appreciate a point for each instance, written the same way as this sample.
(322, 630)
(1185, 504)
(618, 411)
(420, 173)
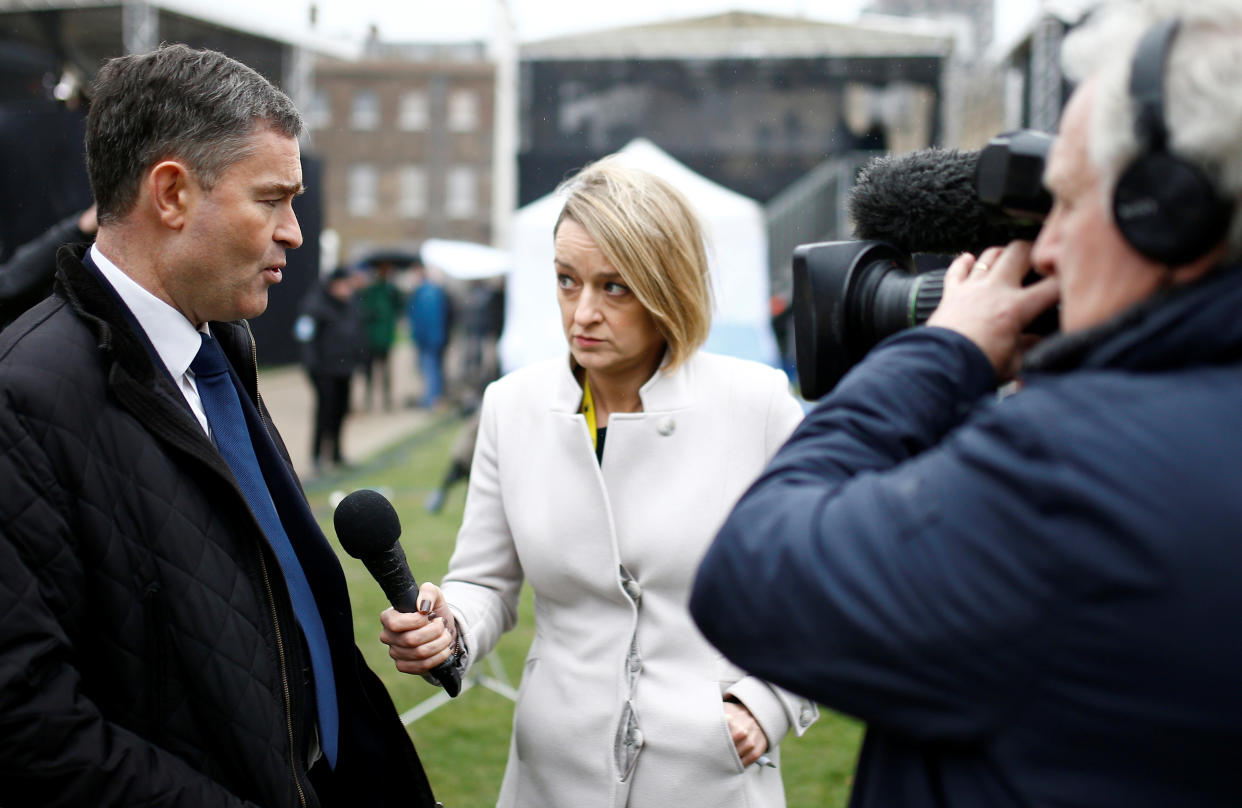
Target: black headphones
(1164, 205)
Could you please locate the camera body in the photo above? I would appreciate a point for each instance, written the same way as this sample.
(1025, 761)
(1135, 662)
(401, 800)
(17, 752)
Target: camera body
(850, 295)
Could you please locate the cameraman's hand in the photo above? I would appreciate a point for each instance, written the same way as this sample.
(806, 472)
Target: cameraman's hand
(420, 641)
(985, 301)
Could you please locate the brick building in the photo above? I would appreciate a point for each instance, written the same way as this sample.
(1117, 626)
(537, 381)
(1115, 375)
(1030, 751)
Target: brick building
(406, 138)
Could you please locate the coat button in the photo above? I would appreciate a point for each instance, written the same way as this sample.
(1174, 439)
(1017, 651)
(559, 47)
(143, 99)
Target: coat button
(807, 716)
(633, 589)
(666, 427)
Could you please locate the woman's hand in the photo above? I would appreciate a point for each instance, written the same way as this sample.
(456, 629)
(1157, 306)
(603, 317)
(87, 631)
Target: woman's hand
(418, 642)
(985, 301)
(748, 736)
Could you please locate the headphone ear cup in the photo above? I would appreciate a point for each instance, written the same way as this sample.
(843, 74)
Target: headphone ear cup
(1166, 208)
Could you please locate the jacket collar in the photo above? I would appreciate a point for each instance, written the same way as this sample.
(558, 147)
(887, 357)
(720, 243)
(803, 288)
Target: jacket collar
(116, 333)
(1185, 326)
(665, 390)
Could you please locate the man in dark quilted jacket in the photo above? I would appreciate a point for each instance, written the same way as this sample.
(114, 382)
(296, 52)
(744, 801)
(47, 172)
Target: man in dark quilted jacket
(154, 647)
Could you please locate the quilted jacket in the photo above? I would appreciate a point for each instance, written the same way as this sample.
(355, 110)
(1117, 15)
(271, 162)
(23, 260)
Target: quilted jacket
(149, 653)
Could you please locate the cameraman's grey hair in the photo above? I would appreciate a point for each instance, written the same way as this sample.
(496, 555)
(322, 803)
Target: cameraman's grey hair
(197, 106)
(1203, 109)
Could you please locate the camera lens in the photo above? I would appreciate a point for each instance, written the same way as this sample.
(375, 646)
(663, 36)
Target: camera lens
(892, 299)
(850, 295)
(836, 288)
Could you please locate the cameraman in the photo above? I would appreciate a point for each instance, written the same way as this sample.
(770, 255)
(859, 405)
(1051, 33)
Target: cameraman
(1036, 600)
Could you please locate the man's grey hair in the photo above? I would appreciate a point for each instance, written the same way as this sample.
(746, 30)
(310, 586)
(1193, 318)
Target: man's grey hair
(196, 106)
(1203, 108)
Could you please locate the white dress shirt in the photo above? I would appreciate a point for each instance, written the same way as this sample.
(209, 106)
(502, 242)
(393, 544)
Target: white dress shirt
(174, 337)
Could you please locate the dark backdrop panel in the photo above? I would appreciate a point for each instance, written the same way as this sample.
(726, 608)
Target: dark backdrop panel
(752, 125)
(42, 169)
(273, 330)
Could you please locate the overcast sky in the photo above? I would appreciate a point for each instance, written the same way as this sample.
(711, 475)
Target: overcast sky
(537, 19)
(405, 20)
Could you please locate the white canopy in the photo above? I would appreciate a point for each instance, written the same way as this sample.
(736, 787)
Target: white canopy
(465, 260)
(737, 251)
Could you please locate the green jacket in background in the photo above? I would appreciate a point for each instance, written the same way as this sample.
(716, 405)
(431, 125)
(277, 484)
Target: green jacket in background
(381, 304)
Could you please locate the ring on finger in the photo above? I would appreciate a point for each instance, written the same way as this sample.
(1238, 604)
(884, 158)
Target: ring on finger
(980, 266)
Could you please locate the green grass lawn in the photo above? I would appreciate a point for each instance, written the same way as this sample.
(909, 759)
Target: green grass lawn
(464, 743)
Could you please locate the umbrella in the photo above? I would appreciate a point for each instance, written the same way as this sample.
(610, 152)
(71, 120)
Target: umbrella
(465, 260)
(398, 258)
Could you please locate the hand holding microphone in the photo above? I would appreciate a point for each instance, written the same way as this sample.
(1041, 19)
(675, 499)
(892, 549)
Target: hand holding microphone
(369, 529)
(423, 642)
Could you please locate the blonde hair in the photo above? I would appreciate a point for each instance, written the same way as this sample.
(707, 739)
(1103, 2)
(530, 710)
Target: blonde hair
(653, 239)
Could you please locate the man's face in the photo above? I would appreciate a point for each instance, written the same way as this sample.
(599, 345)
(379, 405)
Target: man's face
(236, 234)
(1100, 274)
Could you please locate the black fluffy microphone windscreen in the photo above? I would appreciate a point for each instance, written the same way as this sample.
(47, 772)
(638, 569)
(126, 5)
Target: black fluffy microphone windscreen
(369, 528)
(926, 202)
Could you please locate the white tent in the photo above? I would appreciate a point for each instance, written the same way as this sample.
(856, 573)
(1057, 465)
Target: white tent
(737, 249)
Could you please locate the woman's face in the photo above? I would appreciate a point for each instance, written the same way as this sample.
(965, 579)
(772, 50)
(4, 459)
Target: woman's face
(609, 331)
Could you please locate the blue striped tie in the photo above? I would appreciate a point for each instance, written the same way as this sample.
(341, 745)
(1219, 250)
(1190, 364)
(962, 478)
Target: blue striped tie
(228, 426)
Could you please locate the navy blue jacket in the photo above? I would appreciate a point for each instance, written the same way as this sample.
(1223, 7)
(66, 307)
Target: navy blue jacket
(1032, 601)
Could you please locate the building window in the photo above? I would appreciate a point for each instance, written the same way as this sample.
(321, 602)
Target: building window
(363, 189)
(319, 116)
(412, 115)
(463, 111)
(364, 113)
(412, 196)
(461, 200)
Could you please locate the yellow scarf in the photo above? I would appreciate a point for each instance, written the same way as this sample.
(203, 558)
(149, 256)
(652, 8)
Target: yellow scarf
(588, 409)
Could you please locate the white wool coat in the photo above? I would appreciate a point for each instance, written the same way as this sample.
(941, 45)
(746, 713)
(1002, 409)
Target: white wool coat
(617, 671)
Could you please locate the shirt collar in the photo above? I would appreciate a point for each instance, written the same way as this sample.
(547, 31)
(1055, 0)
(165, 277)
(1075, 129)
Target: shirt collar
(173, 336)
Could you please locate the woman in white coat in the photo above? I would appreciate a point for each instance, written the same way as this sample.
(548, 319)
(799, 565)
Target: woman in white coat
(601, 479)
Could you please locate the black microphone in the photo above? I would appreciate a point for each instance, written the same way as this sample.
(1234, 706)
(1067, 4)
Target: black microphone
(369, 530)
(946, 201)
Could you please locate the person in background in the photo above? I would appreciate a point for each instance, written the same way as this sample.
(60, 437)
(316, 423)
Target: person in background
(782, 320)
(381, 303)
(430, 313)
(26, 278)
(1034, 600)
(175, 629)
(482, 321)
(600, 477)
(333, 339)
(460, 455)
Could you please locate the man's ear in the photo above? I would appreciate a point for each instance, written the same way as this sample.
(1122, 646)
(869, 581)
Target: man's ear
(172, 189)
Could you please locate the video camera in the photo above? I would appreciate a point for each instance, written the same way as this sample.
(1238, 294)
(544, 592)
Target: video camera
(849, 295)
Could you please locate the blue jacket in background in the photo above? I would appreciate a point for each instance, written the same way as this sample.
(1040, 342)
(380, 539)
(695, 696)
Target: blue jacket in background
(428, 311)
(1032, 601)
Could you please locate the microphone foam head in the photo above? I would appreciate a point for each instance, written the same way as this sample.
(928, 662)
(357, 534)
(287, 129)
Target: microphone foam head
(923, 201)
(927, 202)
(366, 523)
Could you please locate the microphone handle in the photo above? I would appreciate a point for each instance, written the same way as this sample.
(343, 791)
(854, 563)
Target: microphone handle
(448, 676)
(392, 572)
